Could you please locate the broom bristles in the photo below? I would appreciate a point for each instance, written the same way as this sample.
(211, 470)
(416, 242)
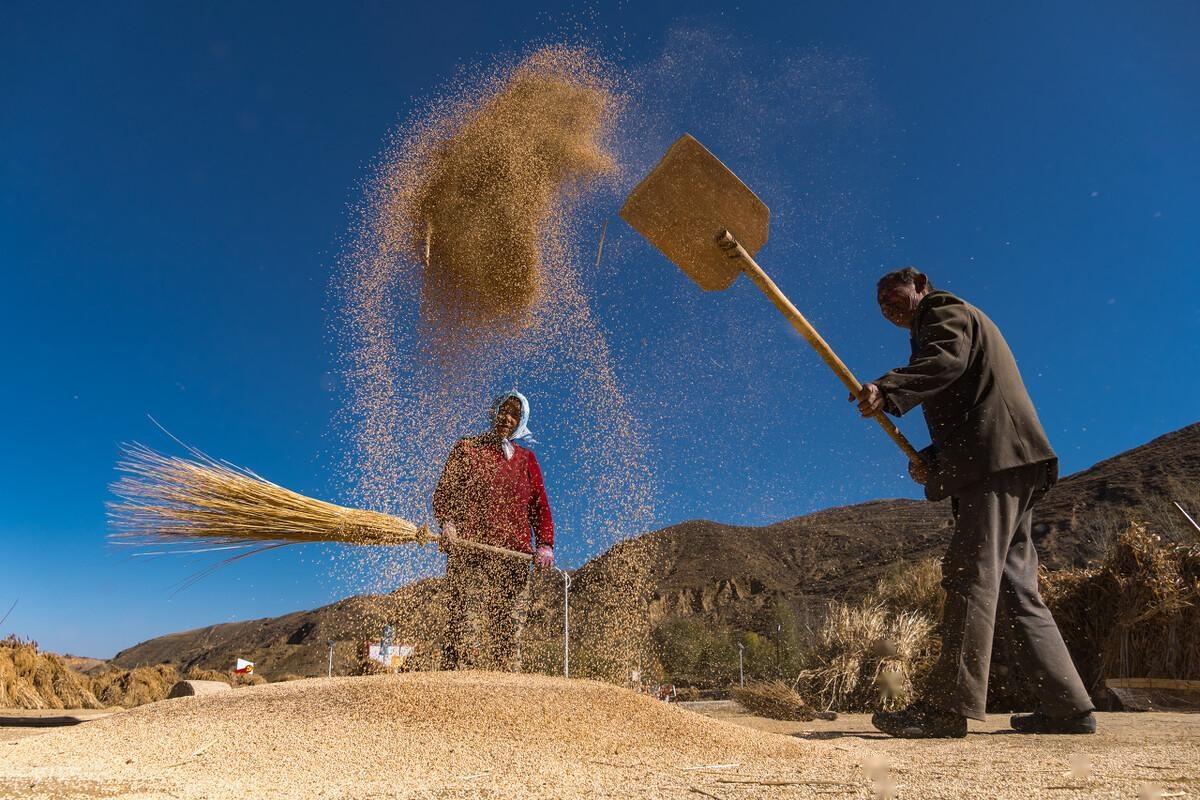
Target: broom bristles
(169, 499)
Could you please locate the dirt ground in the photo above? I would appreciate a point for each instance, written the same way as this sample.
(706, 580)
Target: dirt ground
(1130, 755)
(484, 735)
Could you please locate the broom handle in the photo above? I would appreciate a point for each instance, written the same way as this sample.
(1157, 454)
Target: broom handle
(454, 541)
(805, 328)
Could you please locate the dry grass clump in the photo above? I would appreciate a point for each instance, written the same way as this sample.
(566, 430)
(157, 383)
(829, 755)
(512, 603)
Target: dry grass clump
(866, 657)
(30, 679)
(197, 674)
(135, 687)
(915, 586)
(877, 653)
(1135, 614)
(141, 685)
(169, 499)
(775, 700)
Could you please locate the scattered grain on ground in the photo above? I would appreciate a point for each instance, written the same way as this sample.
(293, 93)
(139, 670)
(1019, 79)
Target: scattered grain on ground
(417, 735)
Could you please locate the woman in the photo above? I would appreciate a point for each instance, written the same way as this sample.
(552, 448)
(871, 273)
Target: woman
(491, 491)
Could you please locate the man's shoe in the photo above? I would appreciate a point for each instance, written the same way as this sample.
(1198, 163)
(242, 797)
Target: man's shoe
(1037, 722)
(921, 721)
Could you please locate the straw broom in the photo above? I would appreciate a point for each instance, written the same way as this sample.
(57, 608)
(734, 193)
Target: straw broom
(172, 500)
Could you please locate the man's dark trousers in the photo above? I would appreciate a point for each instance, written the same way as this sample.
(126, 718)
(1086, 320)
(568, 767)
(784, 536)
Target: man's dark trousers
(992, 560)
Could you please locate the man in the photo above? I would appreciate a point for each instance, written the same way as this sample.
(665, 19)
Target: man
(491, 491)
(991, 456)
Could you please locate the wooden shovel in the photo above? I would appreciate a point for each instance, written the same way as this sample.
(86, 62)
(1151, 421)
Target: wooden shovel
(709, 223)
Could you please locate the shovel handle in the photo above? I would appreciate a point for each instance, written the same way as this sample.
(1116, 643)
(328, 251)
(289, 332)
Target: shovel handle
(763, 281)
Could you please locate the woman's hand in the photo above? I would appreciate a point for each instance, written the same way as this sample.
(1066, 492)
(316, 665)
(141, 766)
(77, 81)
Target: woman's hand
(544, 557)
(449, 534)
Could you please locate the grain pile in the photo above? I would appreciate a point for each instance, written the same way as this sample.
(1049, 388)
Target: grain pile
(420, 735)
(463, 280)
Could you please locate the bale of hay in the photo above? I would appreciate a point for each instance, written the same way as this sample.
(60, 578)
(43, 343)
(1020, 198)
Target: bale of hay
(190, 688)
(777, 700)
(1136, 613)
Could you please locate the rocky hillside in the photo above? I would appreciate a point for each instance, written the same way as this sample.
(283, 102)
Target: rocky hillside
(723, 574)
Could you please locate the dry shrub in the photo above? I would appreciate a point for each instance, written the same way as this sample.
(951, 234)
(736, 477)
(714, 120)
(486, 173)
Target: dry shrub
(30, 679)
(865, 657)
(135, 687)
(774, 700)
(1133, 615)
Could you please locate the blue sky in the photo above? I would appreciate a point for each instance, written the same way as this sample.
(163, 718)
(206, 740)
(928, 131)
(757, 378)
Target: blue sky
(174, 193)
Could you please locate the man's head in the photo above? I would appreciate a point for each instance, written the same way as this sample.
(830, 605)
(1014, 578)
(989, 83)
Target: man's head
(899, 293)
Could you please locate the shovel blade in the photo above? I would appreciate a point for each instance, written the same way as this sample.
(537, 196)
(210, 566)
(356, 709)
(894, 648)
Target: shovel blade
(685, 203)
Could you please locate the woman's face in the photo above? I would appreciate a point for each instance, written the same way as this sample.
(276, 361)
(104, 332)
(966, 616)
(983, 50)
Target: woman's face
(508, 417)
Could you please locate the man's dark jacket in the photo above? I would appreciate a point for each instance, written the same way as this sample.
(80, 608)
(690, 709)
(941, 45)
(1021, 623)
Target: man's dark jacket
(980, 417)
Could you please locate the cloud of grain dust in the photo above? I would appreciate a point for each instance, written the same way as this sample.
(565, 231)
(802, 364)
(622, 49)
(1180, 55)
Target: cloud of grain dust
(802, 126)
(462, 281)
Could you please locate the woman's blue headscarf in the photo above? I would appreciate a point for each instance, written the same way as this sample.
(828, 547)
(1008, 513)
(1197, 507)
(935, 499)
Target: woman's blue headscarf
(522, 431)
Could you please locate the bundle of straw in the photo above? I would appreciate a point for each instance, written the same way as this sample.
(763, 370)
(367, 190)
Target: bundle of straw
(777, 700)
(173, 500)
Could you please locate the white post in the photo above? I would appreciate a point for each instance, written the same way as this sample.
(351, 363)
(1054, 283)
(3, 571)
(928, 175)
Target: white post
(741, 667)
(1181, 511)
(566, 622)
(330, 673)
